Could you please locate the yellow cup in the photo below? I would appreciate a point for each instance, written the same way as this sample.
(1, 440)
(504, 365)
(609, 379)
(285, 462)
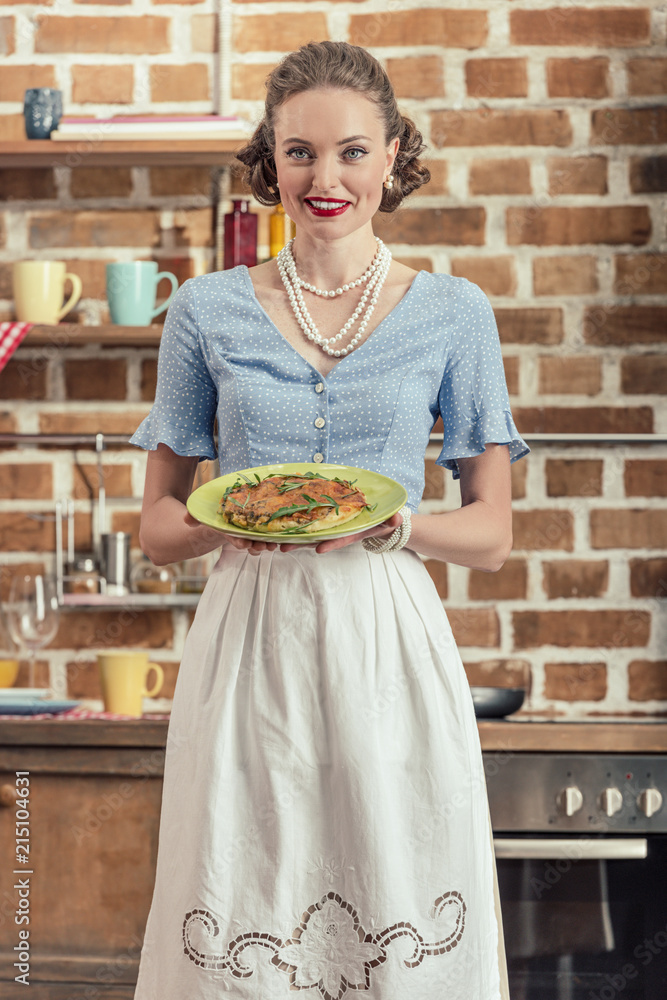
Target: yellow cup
(39, 289)
(123, 677)
(9, 670)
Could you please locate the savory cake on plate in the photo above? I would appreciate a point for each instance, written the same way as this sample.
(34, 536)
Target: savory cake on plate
(291, 503)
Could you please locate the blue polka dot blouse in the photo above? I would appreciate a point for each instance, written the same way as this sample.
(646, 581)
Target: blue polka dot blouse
(437, 353)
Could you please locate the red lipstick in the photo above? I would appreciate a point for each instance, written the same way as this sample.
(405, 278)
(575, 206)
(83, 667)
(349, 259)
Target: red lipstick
(316, 206)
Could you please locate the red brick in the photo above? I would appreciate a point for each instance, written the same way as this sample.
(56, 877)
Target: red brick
(416, 263)
(101, 182)
(648, 174)
(647, 680)
(15, 80)
(128, 627)
(575, 681)
(130, 35)
(102, 84)
(277, 33)
(508, 176)
(24, 377)
(575, 578)
(194, 227)
(577, 175)
(496, 78)
(509, 583)
(203, 33)
(6, 36)
(437, 570)
(465, 29)
(438, 183)
(501, 127)
(596, 419)
(26, 481)
(552, 226)
(21, 533)
(645, 477)
(510, 673)
(27, 185)
(570, 374)
(629, 126)
(434, 478)
(93, 378)
(182, 267)
(543, 529)
(647, 77)
(511, 366)
(11, 571)
(606, 26)
(608, 629)
(628, 529)
(180, 181)
(7, 422)
(474, 626)
(644, 373)
(641, 274)
(117, 480)
(573, 477)
(127, 521)
(90, 422)
(93, 276)
(449, 226)
(565, 275)
(578, 77)
(248, 80)
(148, 379)
(12, 127)
(180, 83)
(620, 325)
(417, 76)
(494, 275)
(94, 229)
(530, 326)
(648, 577)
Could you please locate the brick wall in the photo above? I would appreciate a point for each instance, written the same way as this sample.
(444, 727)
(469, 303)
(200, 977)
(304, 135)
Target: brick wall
(546, 129)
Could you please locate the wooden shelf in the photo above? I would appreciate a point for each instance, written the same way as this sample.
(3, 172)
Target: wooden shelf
(76, 335)
(181, 152)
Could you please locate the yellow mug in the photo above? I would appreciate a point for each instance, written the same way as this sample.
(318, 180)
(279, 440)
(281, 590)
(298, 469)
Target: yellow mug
(9, 670)
(39, 289)
(123, 677)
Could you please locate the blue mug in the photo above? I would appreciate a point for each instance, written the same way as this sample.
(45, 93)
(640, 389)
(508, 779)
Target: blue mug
(132, 289)
(42, 108)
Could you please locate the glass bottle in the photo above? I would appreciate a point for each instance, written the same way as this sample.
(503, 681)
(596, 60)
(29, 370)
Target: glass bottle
(281, 230)
(240, 236)
(149, 579)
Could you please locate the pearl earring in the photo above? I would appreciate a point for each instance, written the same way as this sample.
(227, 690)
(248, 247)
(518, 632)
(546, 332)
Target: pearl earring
(389, 183)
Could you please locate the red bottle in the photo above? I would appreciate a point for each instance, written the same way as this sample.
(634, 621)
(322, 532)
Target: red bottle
(240, 236)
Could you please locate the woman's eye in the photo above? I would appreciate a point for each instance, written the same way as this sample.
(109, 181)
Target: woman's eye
(298, 153)
(355, 153)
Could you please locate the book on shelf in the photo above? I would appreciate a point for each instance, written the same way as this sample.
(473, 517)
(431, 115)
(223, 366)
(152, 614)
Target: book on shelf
(148, 128)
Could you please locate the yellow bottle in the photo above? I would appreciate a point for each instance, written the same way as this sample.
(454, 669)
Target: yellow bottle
(281, 230)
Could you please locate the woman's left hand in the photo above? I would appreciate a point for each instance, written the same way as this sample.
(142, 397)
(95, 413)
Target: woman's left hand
(382, 530)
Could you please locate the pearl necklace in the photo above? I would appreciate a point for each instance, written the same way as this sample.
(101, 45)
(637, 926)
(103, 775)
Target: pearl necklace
(372, 268)
(293, 284)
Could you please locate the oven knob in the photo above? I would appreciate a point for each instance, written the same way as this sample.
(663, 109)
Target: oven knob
(611, 801)
(649, 801)
(570, 800)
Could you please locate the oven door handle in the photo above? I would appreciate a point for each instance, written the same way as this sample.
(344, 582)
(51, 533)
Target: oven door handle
(571, 848)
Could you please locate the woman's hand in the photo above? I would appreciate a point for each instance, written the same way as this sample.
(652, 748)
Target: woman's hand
(255, 548)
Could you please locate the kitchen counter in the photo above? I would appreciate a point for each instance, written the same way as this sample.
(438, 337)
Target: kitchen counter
(586, 736)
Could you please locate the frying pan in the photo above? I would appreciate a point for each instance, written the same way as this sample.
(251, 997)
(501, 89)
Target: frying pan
(496, 703)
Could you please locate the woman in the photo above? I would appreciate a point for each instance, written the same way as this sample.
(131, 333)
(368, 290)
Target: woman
(324, 820)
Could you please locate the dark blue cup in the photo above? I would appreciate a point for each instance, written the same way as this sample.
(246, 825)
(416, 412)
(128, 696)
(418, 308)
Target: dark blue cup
(42, 109)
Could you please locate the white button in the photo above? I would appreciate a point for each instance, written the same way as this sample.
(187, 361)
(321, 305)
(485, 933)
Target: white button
(318, 457)
(319, 387)
(320, 422)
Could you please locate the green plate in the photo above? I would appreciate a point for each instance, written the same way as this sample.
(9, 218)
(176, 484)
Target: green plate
(389, 496)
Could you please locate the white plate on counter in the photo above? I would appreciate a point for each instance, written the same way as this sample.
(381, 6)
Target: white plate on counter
(22, 694)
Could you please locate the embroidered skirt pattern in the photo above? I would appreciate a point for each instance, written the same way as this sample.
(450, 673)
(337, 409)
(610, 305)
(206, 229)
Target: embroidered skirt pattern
(324, 824)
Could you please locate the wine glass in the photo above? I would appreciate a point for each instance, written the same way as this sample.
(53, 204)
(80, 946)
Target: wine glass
(32, 614)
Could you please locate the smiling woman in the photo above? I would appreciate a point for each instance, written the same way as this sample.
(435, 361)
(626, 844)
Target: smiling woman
(324, 793)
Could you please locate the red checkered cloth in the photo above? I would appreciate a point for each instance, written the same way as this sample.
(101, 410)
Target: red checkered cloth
(83, 713)
(11, 335)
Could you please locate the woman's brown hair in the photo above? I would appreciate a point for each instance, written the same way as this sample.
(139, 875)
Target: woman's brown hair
(344, 67)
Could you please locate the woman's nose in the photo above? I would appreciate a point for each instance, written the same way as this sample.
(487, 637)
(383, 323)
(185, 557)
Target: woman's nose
(325, 176)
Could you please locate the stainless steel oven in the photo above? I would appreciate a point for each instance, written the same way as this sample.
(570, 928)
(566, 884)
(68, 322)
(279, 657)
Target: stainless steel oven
(581, 848)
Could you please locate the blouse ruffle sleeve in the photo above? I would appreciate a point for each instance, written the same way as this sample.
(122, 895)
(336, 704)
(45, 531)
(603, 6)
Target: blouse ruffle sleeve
(183, 413)
(473, 398)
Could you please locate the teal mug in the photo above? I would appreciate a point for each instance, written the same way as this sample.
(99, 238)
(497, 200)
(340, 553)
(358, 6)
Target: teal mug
(132, 290)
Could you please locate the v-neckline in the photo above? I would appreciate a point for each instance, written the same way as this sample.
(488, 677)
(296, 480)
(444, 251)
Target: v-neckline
(347, 356)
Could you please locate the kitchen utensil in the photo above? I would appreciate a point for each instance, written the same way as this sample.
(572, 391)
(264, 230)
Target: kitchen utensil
(496, 703)
(116, 561)
(123, 677)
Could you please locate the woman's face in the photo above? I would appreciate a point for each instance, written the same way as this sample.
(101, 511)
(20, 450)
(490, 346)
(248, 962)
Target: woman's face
(331, 160)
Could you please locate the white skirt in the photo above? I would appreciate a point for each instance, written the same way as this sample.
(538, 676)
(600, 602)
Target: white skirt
(324, 823)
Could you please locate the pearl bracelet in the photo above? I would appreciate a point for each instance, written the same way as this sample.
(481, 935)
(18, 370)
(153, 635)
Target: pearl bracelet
(396, 540)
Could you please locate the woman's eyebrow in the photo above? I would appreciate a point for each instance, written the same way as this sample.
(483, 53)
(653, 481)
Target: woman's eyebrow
(305, 142)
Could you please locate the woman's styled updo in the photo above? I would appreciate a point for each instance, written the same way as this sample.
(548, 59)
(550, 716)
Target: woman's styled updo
(344, 67)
